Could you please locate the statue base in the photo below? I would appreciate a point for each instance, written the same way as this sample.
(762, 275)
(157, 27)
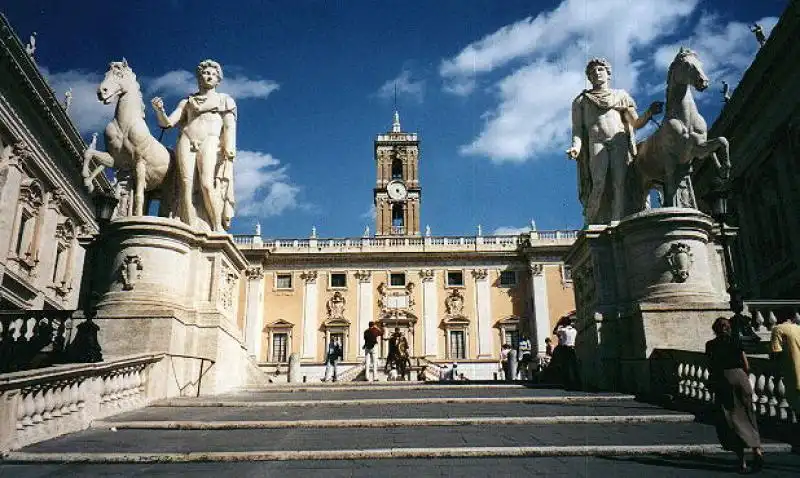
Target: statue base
(163, 286)
(652, 281)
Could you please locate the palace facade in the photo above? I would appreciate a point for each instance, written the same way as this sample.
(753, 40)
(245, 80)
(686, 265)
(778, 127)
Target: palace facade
(456, 299)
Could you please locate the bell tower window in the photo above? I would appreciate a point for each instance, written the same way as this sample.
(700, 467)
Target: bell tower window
(397, 168)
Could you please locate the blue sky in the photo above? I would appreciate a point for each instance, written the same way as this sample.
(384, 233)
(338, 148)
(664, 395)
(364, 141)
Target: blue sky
(486, 83)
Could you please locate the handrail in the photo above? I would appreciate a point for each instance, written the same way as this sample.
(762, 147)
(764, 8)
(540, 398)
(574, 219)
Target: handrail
(200, 374)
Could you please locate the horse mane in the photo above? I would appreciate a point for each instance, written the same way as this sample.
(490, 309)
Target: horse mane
(682, 54)
(121, 70)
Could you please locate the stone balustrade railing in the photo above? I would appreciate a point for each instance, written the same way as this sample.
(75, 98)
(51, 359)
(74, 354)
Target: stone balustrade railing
(422, 244)
(352, 373)
(31, 338)
(765, 313)
(686, 376)
(41, 404)
(431, 371)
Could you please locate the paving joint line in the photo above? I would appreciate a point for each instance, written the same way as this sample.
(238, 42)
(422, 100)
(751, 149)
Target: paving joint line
(386, 401)
(390, 422)
(380, 453)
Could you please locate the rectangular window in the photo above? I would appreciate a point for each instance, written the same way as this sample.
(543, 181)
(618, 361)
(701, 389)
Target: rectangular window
(508, 278)
(512, 338)
(458, 344)
(397, 279)
(57, 266)
(455, 278)
(338, 279)
(279, 344)
(22, 235)
(283, 281)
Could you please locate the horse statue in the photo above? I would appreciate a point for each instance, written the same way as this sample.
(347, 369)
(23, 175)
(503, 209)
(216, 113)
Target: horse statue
(665, 158)
(131, 148)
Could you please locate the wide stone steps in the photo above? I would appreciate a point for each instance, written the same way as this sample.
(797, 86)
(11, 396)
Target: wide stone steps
(317, 426)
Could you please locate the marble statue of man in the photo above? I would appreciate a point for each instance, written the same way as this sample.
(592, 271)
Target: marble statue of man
(67, 100)
(206, 145)
(603, 143)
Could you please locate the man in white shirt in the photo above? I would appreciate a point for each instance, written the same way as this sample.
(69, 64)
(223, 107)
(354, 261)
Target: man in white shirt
(567, 334)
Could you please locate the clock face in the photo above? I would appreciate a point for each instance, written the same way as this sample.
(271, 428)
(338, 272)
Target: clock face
(396, 190)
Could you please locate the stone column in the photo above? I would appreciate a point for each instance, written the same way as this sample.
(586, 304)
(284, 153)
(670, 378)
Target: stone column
(430, 317)
(364, 305)
(309, 316)
(541, 309)
(254, 311)
(483, 309)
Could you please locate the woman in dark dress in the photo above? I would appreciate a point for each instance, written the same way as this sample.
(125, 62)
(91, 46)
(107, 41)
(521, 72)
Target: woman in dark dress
(733, 395)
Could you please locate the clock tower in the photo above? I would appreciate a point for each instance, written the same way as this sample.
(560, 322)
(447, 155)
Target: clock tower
(397, 193)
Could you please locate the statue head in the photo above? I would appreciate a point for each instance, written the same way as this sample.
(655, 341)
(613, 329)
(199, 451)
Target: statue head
(118, 80)
(206, 71)
(596, 65)
(687, 69)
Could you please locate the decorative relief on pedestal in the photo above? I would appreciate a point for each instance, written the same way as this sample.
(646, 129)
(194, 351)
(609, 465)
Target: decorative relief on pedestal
(537, 269)
(363, 275)
(454, 303)
(131, 271)
(427, 275)
(255, 273)
(21, 153)
(480, 274)
(310, 277)
(680, 259)
(336, 305)
(227, 286)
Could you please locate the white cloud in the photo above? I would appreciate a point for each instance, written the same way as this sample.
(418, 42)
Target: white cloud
(88, 114)
(262, 185)
(405, 85)
(370, 213)
(726, 50)
(550, 50)
(182, 83)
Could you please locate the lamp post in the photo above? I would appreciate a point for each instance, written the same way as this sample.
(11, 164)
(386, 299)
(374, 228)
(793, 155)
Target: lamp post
(740, 324)
(86, 346)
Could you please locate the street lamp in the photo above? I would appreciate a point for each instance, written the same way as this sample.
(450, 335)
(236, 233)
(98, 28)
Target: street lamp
(86, 346)
(718, 200)
(104, 206)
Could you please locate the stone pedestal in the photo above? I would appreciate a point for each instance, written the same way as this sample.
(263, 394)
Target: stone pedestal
(653, 280)
(162, 286)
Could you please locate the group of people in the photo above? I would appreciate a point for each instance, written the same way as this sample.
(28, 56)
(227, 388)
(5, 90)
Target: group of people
(734, 412)
(398, 362)
(517, 362)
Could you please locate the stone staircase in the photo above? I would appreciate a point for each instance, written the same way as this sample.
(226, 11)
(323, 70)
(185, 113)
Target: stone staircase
(393, 429)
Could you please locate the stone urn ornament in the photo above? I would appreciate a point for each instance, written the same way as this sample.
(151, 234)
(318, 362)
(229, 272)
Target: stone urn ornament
(680, 259)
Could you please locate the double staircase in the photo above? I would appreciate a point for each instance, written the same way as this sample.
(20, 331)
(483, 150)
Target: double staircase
(399, 428)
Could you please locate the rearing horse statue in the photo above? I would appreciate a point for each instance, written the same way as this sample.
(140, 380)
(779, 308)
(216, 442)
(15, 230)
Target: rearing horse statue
(131, 147)
(664, 159)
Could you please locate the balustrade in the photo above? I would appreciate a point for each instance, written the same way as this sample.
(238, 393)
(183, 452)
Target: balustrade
(33, 338)
(66, 399)
(769, 391)
(765, 313)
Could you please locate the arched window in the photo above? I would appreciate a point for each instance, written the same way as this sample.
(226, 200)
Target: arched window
(397, 168)
(397, 219)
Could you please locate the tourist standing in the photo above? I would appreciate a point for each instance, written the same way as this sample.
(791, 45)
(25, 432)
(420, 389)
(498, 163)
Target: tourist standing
(564, 356)
(785, 346)
(371, 337)
(504, 351)
(332, 357)
(525, 358)
(735, 419)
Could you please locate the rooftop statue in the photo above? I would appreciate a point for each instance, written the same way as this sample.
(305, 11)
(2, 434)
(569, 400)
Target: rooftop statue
(130, 146)
(206, 146)
(603, 143)
(664, 159)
